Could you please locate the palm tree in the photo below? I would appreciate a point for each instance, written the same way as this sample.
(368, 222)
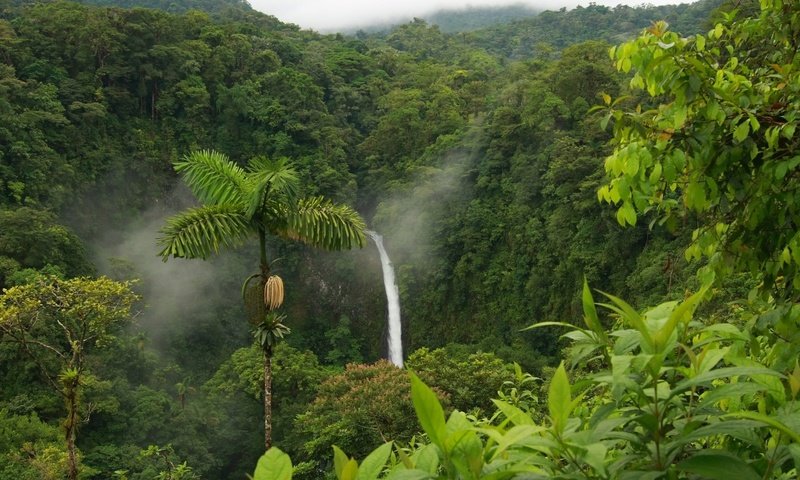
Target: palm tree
(258, 200)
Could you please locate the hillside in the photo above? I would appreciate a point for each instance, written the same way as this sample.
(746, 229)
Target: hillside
(172, 6)
(557, 29)
(475, 18)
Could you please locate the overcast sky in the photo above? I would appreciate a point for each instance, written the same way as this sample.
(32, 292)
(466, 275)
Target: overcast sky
(333, 15)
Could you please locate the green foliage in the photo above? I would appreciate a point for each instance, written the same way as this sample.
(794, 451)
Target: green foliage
(260, 199)
(718, 143)
(473, 18)
(32, 239)
(672, 397)
(299, 374)
(30, 449)
(170, 470)
(356, 409)
(55, 323)
(59, 320)
(470, 380)
(500, 158)
(211, 6)
(344, 347)
(559, 29)
(273, 465)
(271, 331)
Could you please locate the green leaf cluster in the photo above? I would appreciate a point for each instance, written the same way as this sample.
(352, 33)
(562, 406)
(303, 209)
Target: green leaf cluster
(715, 141)
(671, 397)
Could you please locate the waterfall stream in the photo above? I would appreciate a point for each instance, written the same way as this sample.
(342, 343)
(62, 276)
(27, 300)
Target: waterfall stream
(392, 300)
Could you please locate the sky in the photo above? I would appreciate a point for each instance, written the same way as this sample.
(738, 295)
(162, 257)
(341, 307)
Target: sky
(335, 15)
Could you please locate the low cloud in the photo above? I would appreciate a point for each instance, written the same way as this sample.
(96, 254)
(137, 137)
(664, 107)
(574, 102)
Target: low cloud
(175, 291)
(331, 16)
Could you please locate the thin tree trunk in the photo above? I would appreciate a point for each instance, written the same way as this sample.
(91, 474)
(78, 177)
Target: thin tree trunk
(267, 397)
(70, 425)
(262, 238)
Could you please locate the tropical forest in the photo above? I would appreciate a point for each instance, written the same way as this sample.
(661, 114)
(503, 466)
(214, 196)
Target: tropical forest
(487, 244)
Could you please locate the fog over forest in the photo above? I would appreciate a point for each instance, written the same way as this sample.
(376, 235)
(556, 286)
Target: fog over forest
(339, 15)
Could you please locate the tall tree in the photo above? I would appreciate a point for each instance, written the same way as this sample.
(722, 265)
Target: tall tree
(56, 323)
(260, 200)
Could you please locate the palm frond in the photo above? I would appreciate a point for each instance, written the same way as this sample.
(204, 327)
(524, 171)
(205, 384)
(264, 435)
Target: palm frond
(200, 232)
(213, 178)
(270, 178)
(324, 224)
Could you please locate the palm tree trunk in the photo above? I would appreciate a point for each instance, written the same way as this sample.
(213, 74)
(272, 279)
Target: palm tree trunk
(262, 240)
(267, 397)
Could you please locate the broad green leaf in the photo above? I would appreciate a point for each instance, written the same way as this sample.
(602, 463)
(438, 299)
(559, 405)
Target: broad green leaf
(427, 459)
(681, 314)
(514, 436)
(700, 41)
(788, 130)
(466, 453)
(726, 372)
(679, 116)
(629, 316)
(340, 459)
(429, 411)
(730, 391)
(595, 457)
(620, 369)
(457, 422)
(709, 358)
(273, 465)
(767, 420)
(741, 132)
(730, 331)
(732, 428)
(626, 214)
(559, 398)
(695, 196)
(372, 466)
(514, 414)
(350, 470)
(405, 460)
(590, 312)
(718, 465)
(794, 451)
(718, 30)
(655, 175)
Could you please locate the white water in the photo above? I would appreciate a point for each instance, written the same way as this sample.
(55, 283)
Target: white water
(392, 300)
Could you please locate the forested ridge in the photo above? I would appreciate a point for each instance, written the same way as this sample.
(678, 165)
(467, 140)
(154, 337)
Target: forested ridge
(479, 156)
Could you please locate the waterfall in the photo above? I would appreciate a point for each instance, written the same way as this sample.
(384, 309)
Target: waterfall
(392, 300)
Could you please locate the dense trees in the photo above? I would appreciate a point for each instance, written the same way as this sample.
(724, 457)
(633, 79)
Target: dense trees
(674, 390)
(480, 171)
(31, 240)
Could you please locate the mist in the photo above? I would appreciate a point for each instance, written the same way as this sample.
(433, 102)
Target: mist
(410, 218)
(179, 294)
(333, 16)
